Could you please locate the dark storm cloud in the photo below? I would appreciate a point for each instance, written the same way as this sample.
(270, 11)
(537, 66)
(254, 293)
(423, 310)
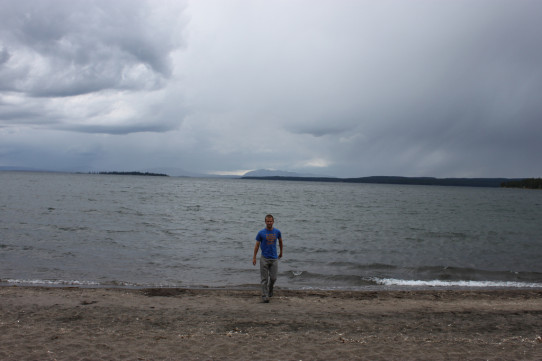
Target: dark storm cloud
(465, 102)
(117, 129)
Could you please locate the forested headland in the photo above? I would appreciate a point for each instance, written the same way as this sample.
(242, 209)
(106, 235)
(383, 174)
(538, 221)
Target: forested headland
(134, 173)
(529, 183)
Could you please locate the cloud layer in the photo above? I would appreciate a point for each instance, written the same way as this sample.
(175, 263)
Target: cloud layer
(349, 88)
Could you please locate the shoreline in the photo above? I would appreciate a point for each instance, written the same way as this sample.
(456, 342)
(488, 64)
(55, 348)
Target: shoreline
(403, 286)
(75, 323)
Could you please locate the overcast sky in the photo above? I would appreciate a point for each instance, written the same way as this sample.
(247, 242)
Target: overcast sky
(449, 88)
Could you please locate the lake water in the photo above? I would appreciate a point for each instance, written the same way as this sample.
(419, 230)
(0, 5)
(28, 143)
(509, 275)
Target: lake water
(137, 231)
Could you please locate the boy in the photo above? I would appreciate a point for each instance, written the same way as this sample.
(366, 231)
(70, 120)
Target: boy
(266, 239)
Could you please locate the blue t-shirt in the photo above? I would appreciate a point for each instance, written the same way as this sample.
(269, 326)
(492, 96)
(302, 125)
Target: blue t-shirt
(268, 242)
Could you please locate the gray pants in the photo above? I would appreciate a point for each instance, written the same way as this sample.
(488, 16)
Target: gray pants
(268, 272)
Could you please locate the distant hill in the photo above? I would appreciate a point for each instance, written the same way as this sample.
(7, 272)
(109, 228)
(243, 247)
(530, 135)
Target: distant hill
(463, 182)
(135, 173)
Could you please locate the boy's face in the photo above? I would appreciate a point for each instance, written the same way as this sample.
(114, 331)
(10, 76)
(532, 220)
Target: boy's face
(269, 222)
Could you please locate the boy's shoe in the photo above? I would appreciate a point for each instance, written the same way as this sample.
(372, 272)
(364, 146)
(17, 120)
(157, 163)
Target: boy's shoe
(265, 300)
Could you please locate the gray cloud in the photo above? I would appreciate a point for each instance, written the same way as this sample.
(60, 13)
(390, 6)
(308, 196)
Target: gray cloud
(91, 67)
(66, 48)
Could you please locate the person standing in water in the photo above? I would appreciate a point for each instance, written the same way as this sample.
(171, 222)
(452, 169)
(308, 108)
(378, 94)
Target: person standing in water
(266, 239)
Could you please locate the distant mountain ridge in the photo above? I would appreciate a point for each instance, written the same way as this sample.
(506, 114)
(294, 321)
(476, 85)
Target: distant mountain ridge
(461, 182)
(293, 176)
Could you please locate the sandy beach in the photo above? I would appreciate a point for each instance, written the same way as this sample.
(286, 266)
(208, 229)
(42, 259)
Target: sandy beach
(184, 324)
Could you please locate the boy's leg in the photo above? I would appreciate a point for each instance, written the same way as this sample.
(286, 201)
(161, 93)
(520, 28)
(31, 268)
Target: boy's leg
(273, 270)
(264, 274)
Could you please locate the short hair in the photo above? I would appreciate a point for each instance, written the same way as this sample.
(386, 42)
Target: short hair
(270, 216)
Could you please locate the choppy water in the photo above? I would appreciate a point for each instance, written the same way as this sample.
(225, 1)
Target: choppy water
(111, 230)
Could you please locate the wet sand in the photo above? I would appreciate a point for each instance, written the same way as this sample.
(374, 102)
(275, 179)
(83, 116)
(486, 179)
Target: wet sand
(183, 324)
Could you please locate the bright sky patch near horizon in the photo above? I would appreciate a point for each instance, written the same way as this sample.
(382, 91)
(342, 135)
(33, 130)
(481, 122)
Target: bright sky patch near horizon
(342, 88)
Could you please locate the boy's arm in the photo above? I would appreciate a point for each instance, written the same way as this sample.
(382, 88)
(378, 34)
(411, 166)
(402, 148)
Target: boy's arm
(280, 246)
(256, 248)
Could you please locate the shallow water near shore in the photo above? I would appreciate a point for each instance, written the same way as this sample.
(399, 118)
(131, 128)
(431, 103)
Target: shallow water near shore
(133, 231)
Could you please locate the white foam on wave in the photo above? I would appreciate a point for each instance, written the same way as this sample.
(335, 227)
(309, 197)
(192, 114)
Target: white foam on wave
(439, 283)
(50, 282)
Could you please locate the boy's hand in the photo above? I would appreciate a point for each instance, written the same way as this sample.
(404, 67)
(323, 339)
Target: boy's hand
(254, 261)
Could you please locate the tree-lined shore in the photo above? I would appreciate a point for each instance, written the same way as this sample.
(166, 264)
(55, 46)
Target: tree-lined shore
(529, 183)
(134, 173)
